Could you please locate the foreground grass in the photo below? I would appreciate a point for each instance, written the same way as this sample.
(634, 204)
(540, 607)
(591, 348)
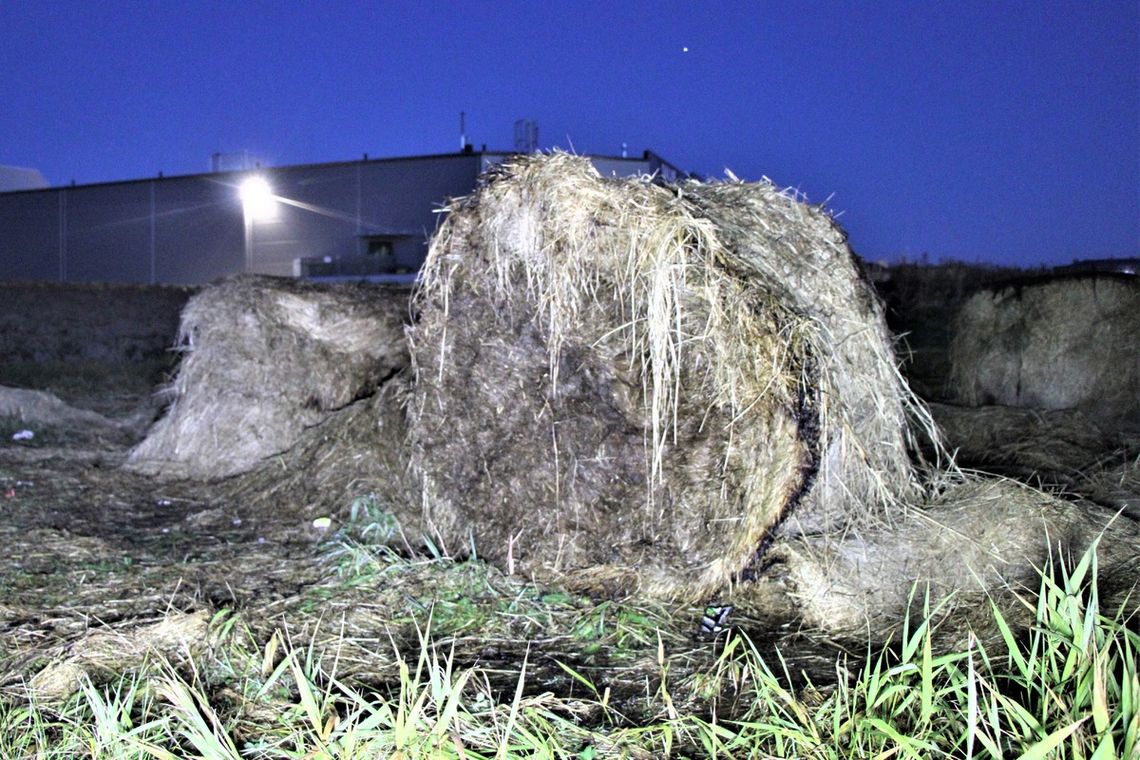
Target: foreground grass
(1066, 689)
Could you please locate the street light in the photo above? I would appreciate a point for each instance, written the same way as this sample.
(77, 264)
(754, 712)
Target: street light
(258, 204)
(257, 199)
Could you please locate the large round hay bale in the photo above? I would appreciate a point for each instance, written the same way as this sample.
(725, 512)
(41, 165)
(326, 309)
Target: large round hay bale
(631, 384)
(265, 359)
(1066, 343)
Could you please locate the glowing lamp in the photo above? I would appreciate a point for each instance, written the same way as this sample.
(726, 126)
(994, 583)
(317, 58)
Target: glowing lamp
(257, 199)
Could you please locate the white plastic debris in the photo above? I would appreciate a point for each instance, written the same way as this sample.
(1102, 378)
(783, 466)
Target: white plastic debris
(322, 523)
(23, 435)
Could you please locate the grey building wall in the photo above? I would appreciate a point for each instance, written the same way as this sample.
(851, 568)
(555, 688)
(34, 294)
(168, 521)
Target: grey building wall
(107, 234)
(180, 230)
(198, 230)
(191, 230)
(333, 210)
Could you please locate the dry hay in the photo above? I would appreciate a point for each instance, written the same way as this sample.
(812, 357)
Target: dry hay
(979, 541)
(266, 358)
(1059, 450)
(1054, 448)
(357, 451)
(40, 410)
(107, 652)
(634, 383)
(1068, 343)
(627, 386)
(1115, 485)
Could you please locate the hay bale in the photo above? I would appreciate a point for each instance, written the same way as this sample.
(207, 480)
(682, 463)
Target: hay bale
(978, 541)
(1067, 343)
(265, 359)
(631, 384)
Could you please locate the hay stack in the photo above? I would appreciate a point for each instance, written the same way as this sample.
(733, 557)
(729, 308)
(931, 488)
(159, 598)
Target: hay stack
(633, 384)
(265, 359)
(1068, 343)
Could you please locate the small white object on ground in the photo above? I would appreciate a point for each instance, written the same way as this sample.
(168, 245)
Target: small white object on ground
(23, 435)
(322, 523)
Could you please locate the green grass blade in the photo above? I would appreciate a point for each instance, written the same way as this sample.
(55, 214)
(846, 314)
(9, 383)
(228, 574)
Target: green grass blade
(1041, 749)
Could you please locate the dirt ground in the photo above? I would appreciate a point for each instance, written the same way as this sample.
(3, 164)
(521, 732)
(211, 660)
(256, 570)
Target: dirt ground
(103, 568)
(89, 544)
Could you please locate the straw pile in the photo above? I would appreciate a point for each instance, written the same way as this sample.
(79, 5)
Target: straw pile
(1052, 448)
(41, 410)
(265, 359)
(1115, 485)
(682, 390)
(631, 385)
(176, 636)
(976, 543)
(357, 451)
(1068, 343)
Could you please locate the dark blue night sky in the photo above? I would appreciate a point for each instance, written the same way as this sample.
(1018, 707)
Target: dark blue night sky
(1006, 132)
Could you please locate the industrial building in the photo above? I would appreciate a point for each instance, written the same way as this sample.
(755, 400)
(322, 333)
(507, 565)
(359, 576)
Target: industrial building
(353, 219)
